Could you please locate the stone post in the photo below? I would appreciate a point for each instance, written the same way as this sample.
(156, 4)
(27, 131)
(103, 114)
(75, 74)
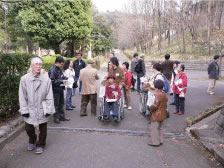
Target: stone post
(219, 125)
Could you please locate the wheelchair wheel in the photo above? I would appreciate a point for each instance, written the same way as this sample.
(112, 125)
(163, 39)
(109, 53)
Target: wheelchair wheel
(122, 109)
(101, 110)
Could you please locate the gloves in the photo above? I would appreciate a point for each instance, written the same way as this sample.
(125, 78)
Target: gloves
(27, 115)
(47, 115)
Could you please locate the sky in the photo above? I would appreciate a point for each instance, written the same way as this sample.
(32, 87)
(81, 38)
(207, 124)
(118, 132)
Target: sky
(111, 5)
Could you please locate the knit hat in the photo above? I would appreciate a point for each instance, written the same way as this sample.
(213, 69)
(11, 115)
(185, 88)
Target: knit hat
(111, 76)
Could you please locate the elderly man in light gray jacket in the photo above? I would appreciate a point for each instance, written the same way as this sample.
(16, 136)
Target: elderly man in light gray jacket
(36, 104)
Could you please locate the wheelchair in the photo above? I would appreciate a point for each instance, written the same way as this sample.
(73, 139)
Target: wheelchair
(102, 106)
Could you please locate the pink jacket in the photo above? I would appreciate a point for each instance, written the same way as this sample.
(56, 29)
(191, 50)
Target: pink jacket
(128, 78)
(180, 83)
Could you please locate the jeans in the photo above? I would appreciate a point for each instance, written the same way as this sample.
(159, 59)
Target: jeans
(139, 82)
(112, 106)
(174, 99)
(76, 78)
(69, 98)
(180, 103)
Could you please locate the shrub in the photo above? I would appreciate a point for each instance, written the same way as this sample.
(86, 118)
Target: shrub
(12, 67)
(50, 60)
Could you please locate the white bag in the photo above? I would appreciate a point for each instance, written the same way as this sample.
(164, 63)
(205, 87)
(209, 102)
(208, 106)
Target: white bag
(151, 99)
(102, 91)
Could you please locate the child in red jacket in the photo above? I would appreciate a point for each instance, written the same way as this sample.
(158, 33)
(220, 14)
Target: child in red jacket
(128, 85)
(180, 89)
(112, 94)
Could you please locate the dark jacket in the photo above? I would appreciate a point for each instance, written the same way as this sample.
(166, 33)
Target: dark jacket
(158, 109)
(142, 64)
(77, 66)
(167, 69)
(213, 70)
(56, 75)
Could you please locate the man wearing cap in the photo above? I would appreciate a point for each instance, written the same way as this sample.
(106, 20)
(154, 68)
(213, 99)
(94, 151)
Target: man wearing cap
(36, 104)
(88, 76)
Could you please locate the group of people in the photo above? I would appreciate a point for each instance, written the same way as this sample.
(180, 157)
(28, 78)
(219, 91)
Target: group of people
(41, 94)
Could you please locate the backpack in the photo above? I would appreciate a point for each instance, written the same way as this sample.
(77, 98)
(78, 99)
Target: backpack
(166, 86)
(138, 67)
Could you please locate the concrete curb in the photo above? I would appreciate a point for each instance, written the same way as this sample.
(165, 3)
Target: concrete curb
(202, 115)
(10, 137)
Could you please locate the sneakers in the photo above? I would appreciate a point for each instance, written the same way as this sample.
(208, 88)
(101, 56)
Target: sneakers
(39, 150)
(180, 113)
(129, 108)
(125, 105)
(73, 106)
(176, 112)
(31, 147)
(211, 93)
(115, 119)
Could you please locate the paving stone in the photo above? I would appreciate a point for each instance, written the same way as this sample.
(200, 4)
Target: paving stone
(2, 133)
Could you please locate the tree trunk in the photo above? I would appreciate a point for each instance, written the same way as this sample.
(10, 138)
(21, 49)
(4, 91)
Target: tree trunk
(72, 49)
(57, 49)
(29, 45)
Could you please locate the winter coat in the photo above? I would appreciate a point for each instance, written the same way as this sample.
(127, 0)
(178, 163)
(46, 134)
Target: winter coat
(36, 98)
(119, 75)
(88, 76)
(134, 62)
(158, 109)
(167, 69)
(128, 78)
(213, 70)
(180, 83)
(70, 74)
(56, 75)
(142, 64)
(77, 66)
(113, 91)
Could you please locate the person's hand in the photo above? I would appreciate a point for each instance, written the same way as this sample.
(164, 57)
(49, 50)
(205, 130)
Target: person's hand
(27, 115)
(64, 81)
(107, 99)
(68, 87)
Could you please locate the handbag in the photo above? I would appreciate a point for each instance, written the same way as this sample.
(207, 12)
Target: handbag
(75, 85)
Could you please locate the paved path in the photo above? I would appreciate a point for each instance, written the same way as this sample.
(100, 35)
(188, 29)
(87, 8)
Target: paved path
(95, 150)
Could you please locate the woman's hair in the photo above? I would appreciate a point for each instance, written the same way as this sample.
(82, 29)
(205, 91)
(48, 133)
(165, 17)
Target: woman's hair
(126, 64)
(176, 62)
(66, 65)
(159, 84)
(114, 61)
(182, 66)
(167, 56)
(157, 66)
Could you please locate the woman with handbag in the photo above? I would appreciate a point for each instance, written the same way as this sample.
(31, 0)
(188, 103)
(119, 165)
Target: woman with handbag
(180, 89)
(70, 74)
(158, 114)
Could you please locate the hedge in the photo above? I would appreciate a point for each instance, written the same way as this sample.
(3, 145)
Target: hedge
(12, 67)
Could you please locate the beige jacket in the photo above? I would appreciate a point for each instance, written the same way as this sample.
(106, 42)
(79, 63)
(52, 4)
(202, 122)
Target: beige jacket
(36, 98)
(88, 76)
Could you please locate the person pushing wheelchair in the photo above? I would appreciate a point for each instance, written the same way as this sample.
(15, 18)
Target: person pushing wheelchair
(112, 96)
